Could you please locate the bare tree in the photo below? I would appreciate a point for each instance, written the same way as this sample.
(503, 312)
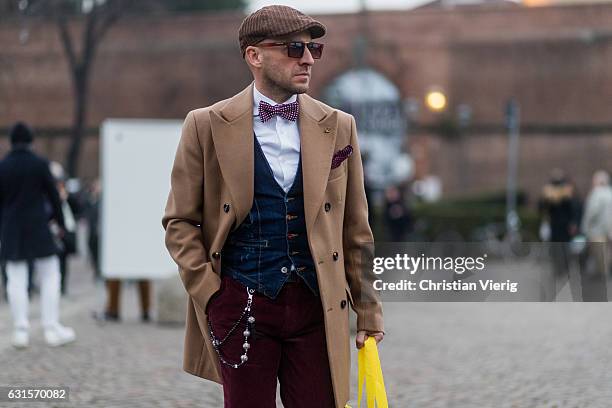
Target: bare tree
(82, 25)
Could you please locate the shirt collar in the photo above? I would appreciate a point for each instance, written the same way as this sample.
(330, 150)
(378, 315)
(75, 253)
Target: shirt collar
(258, 96)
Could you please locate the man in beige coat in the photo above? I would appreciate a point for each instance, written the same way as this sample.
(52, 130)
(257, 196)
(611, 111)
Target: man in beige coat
(267, 221)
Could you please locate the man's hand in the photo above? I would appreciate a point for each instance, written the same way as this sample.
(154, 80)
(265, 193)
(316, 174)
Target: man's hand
(362, 335)
(56, 230)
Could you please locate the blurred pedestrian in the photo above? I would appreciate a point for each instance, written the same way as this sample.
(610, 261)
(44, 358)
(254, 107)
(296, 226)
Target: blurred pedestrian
(113, 305)
(75, 196)
(597, 222)
(26, 184)
(3, 277)
(397, 214)
(68, 240)
(92, 215)
(597, 219)
(560, 207)
(369, 191)
(111, 311)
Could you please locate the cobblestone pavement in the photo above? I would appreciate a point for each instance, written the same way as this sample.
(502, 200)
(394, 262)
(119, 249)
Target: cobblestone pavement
(460, 355)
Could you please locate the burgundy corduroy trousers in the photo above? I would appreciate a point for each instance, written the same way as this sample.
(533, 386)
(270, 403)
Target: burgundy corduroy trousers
(287, 343)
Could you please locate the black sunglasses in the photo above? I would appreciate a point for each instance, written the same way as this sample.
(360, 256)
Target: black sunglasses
(295, 49)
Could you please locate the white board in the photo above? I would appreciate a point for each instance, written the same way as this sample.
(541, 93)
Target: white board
(136, 161)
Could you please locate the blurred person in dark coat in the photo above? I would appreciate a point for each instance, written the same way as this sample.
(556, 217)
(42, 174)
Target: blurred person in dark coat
(560, 207)
(369, 192)
(67, 240)
(91, 212)
(397, 214)
(26, 187)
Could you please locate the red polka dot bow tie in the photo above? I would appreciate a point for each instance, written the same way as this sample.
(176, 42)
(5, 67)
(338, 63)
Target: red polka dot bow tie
(289, 111)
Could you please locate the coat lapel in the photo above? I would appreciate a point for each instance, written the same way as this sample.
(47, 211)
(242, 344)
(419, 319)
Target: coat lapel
(317, 138)
(232, 134)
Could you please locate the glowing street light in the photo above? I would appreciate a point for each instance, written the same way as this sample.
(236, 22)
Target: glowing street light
(435, 100)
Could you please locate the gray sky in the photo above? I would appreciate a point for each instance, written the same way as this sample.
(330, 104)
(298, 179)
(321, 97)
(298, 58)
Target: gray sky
(337, 6)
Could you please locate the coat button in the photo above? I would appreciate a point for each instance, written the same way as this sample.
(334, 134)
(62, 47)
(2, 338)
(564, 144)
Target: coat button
(343, 304)
(226, 207)
(327, 207)
(284, 269)
(335, 255)
(216, 255)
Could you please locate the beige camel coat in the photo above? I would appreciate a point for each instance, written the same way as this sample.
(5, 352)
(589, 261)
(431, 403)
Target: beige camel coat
(212, 192)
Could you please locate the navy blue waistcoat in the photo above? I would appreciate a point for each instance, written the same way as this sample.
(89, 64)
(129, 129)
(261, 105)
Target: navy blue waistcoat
(270, 246)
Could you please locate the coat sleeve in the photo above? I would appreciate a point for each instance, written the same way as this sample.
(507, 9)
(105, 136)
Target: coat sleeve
(358, 245)
(182, 219)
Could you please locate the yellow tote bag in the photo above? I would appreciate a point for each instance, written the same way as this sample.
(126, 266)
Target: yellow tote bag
(370, 371)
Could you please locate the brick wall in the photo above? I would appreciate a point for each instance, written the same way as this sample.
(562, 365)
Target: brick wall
(552, 59)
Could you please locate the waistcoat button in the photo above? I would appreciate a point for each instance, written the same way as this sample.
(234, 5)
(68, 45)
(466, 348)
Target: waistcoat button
(327, 207)
(284, 269)
(335, 255)
(216, 255)
(343, 304)
(226, 207)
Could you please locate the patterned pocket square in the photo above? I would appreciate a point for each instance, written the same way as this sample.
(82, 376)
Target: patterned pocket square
(341, 155)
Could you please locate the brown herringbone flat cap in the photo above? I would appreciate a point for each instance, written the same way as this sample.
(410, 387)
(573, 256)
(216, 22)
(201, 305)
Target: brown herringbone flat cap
(276, 21)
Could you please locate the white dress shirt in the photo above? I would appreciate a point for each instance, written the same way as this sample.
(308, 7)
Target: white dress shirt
(280, 141)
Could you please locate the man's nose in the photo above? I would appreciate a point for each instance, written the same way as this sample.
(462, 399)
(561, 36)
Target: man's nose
(307, 57)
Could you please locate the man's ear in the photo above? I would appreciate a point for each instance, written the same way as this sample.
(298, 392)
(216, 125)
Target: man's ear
(253, 56)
